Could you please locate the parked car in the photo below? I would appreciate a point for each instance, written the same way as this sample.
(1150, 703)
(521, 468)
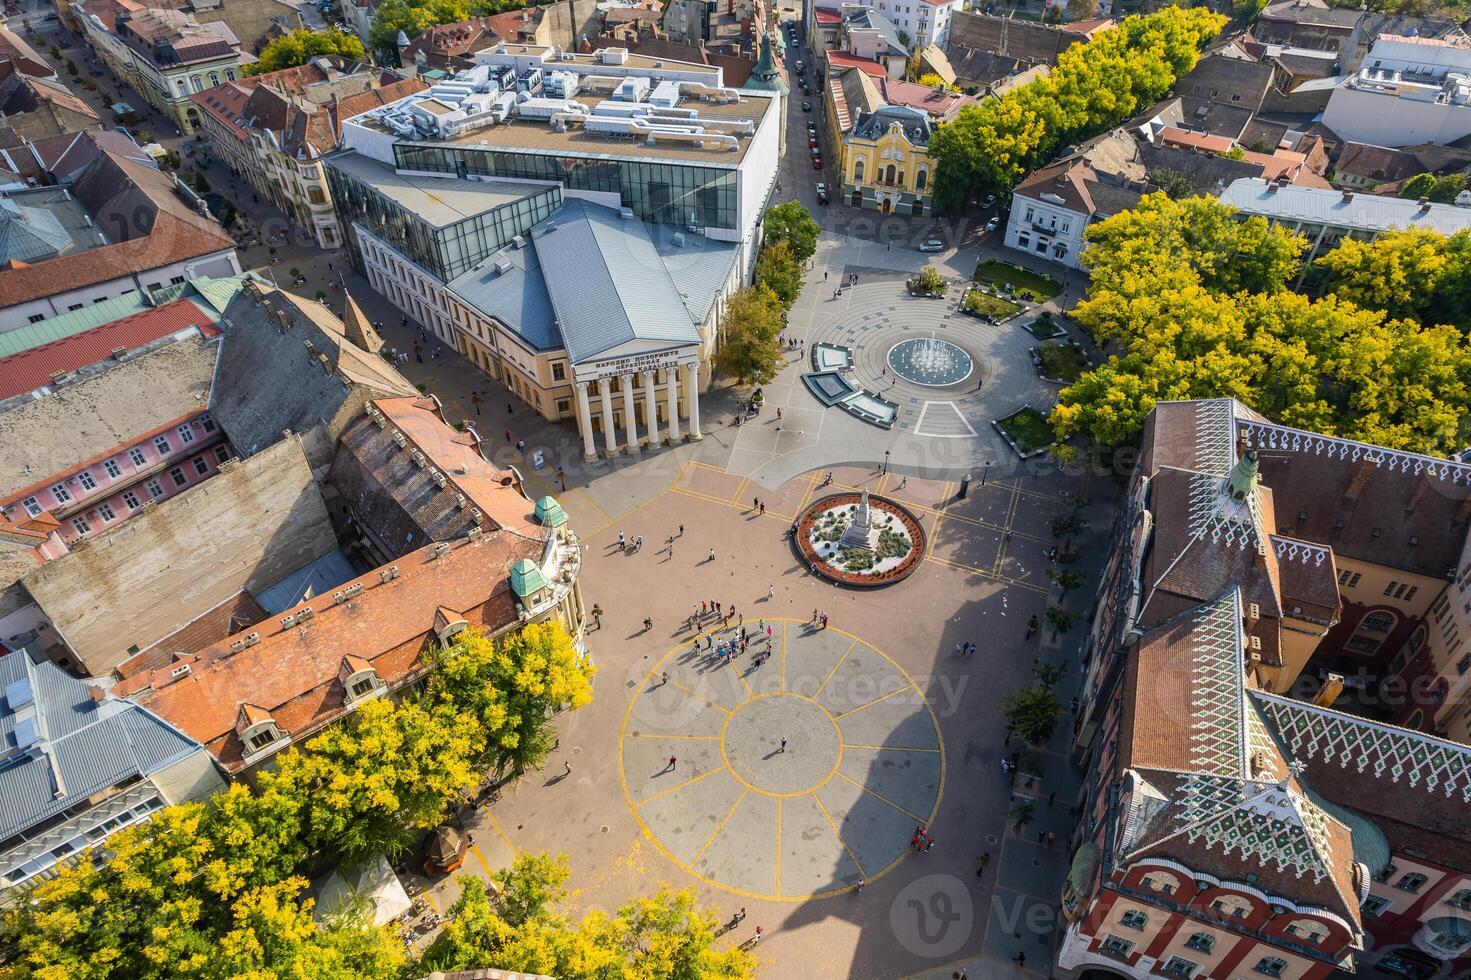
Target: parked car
(989, 202)
(812, 141)
(806, 89)
(811, 128)
(817, 163)
(992, 225)
(812, 148)
(806, 106)
(822, 196)
(933, 245)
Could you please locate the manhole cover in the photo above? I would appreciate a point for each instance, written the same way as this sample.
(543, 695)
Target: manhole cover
(603, 828)
(991, 839)
(1036, 863)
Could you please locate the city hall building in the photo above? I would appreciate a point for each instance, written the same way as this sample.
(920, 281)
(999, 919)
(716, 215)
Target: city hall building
(571, 223)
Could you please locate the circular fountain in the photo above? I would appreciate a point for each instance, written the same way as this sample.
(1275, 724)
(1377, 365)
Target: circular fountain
(930, 361)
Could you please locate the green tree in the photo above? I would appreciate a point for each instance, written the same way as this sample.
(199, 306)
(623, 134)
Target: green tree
(750, 351)
(370, 784)
(790, 222)
(1416, 273)
(501, 695)
(780, 271)
(1440, 190)
(299, 47)
(1173, 183)
(1093, 87)
(518, 927)
(1032, 711)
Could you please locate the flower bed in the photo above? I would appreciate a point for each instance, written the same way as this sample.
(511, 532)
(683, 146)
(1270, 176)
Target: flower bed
(1027, 431)
(898, 544)
(983, 304)
(1040, 286)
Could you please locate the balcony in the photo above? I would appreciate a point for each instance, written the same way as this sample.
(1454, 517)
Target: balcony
(1445, 938)
(1042, 229)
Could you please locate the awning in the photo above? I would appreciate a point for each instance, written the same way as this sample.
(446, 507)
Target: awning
(1085, 866)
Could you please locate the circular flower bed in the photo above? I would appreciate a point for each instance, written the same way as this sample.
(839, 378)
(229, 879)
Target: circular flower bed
(896, 541)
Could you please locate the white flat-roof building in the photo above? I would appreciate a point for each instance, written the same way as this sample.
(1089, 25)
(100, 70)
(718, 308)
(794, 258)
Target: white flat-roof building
(1327, 217)
(571, 223)
(1409, 90)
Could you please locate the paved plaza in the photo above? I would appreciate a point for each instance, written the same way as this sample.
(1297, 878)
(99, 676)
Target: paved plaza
(804, 765)
(887, 728)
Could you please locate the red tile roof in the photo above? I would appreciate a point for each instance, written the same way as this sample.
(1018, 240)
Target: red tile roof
(940, 105)
(828, 17)
(841, 59)
(1186, 139)
(30, 369)
(292, 672)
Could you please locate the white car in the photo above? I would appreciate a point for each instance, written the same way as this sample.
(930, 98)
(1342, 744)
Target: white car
(933, 245)
(992, 225)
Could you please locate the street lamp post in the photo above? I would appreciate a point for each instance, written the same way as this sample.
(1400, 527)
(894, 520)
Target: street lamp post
(886, 462)
(986, 470)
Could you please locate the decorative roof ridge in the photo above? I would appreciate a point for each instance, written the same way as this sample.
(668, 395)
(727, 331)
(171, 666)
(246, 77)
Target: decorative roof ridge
(1218, 699)
(1270, 435)
(1321, 733)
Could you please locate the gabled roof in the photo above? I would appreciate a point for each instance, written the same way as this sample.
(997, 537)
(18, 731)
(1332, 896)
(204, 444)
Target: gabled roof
(66, 746)
(607, 283)
(148, 224)
(1226, 799)
(915, 124)
(292, 672)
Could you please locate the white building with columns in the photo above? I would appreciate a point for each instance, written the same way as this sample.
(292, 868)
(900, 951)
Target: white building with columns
(571, 223)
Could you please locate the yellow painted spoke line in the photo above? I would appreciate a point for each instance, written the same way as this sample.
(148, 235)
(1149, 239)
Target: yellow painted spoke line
(870, 704)
(674, 789)
(656, 737)
(885, 799)
(885, 748)
(830, 673)
(719, 827)
(496, 826)
(839, 834)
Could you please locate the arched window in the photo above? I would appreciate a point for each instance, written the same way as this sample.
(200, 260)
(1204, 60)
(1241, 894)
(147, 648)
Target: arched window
(214, 78)
(1379, 622)
(857, 169)
(921, 179)
(230, 74)
(889, 174)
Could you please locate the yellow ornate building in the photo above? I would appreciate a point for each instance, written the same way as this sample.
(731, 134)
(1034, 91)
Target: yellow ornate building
(886, 162)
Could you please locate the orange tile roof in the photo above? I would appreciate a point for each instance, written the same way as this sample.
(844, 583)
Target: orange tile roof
(176, 234)
(292, 672)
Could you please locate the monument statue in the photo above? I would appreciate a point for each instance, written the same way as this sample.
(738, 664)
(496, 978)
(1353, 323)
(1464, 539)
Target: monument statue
(859, 533)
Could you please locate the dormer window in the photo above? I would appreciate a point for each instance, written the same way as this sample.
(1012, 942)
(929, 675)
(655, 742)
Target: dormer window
(359, 678)
(257, 730)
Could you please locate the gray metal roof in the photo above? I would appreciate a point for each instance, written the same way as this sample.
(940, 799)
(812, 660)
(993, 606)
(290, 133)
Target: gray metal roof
(509, 286)
(589, 279)
(440, 201)
(317, 577)
(85, 746)
(607, 283)
(916, 125)
(1364, 212)
(699, 266)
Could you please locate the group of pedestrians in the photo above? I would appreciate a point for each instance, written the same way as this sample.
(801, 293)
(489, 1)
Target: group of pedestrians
(922, 840)
(965, 649)
(818, 620)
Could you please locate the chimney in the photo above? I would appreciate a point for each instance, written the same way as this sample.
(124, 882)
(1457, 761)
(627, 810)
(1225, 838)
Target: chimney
(1329, 692)
(1348, 196)
(1424, 205)
(1271, 187)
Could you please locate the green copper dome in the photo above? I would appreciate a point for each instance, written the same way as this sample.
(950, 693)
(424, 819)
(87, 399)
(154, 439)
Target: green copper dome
(549, 513)
(765, 77)
(526, 578)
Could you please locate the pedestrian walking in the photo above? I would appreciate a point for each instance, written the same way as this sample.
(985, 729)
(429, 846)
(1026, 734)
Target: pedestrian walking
(673, 763)
(1051, 798)
(741, 915)
(929, 842)
(757, 938)
(859, 887)
(903, 482)
(763, 508)
(475, 400)
(783, 744)
(622, 542)
(770, 591)
(824, 620)
(1051, 836)
(567, 768)
(814, 616)
(985, 860)
(648, 624)
(663, 678)
(681, 530)
(1031, 627)
(778, 411)
(712, 555)
(597, 615)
